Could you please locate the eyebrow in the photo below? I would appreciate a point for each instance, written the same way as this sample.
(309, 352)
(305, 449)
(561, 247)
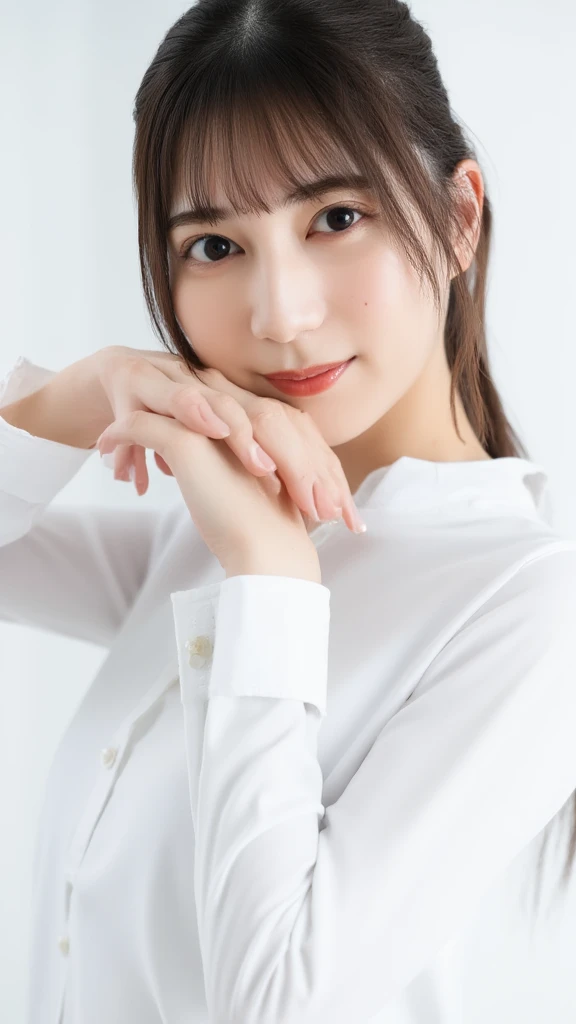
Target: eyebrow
(304, 192)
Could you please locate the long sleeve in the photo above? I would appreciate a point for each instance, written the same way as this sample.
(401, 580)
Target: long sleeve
(314, 915)
(71, 569)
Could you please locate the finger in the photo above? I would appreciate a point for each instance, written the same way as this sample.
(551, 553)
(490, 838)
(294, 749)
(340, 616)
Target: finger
(234, 406)
(141, 479)
(163, 466)
(299, 456)
(122, 462)
(125, 373)
(330, 497)
(152, 389)
(147, 429)
(241, 438)
(332, 478)
(136, 385)
(128, 458)
(323, 495)
(337, 485)
(216, 414)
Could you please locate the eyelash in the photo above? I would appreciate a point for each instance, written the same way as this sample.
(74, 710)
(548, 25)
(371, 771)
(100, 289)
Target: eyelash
(185, 252)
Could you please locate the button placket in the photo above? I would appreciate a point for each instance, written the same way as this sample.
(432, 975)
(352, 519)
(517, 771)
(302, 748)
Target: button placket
(109, 757)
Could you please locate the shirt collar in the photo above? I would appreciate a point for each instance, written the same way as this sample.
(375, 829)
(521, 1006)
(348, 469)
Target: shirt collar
(411, 486)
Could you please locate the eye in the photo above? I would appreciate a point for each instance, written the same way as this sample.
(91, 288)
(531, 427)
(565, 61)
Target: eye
(215, 248)
(339, 217)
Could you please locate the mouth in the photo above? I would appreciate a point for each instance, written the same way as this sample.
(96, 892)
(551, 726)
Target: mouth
(310, 385)
(308, 371)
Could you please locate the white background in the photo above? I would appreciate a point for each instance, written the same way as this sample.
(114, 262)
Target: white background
(69, 71)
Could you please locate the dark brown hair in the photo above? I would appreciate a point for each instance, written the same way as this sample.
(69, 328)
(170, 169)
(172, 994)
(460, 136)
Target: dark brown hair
(251, 87)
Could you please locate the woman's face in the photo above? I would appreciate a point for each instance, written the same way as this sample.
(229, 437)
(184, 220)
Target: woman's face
(313, 282)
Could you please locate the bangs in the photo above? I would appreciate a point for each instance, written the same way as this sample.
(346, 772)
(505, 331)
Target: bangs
(256, 149)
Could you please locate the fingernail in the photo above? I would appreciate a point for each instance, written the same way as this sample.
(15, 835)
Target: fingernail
(359, 524)
(132, 474)
(261, 458)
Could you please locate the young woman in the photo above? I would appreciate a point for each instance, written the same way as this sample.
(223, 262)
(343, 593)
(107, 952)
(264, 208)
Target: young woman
(312, 750)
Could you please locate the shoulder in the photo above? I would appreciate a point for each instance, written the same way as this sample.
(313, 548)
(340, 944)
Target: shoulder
(544, 584)
(520, 636)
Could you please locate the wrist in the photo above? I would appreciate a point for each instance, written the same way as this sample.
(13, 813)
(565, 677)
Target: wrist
(72, 408)
(271, 565)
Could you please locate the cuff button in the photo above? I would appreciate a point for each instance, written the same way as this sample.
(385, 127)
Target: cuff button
(200, 649)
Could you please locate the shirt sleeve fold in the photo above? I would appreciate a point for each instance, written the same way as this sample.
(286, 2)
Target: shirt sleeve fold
(321, 915)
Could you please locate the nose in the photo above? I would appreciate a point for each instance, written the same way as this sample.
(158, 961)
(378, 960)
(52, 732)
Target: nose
(286, 297)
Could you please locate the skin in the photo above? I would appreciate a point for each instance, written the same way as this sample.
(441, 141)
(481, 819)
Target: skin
(294, 291)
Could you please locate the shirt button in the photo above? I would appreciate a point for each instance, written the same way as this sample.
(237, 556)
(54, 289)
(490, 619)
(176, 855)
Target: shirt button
(200, 650)
(108, 756)
(64, 945)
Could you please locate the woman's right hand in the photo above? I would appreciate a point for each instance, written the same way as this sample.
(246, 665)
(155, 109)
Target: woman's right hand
(135, 380)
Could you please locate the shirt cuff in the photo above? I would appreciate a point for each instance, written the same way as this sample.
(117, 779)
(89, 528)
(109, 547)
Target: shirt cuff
(33, 468)
(254, 636)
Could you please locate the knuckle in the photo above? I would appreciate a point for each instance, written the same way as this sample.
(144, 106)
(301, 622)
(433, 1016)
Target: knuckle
(334, 463)
(129, 364)
(111, 359)
(266, 409)
(184, 396)
(226, 403)
(134, 419)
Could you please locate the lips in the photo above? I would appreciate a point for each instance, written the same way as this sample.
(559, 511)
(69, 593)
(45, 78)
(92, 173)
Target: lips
(314, 385)
(309, 371)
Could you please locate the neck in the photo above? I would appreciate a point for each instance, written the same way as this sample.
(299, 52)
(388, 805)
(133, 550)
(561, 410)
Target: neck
(419, 425)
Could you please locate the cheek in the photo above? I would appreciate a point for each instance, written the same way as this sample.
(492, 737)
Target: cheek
(205, 320)
(394, 323)
(380, 295)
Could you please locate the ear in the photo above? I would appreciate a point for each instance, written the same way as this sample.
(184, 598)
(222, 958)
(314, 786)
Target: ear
(468, 178)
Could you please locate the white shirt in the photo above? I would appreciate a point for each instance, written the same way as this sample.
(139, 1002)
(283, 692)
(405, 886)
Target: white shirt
(280, 801)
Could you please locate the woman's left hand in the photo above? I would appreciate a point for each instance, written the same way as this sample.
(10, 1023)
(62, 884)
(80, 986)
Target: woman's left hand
(251, 524)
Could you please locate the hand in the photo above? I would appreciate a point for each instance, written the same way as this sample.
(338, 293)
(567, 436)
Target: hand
(141, 380)
(249, 523)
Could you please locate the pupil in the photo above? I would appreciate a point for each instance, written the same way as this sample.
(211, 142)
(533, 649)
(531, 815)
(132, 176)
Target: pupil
(214, 246)
(337, 215)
